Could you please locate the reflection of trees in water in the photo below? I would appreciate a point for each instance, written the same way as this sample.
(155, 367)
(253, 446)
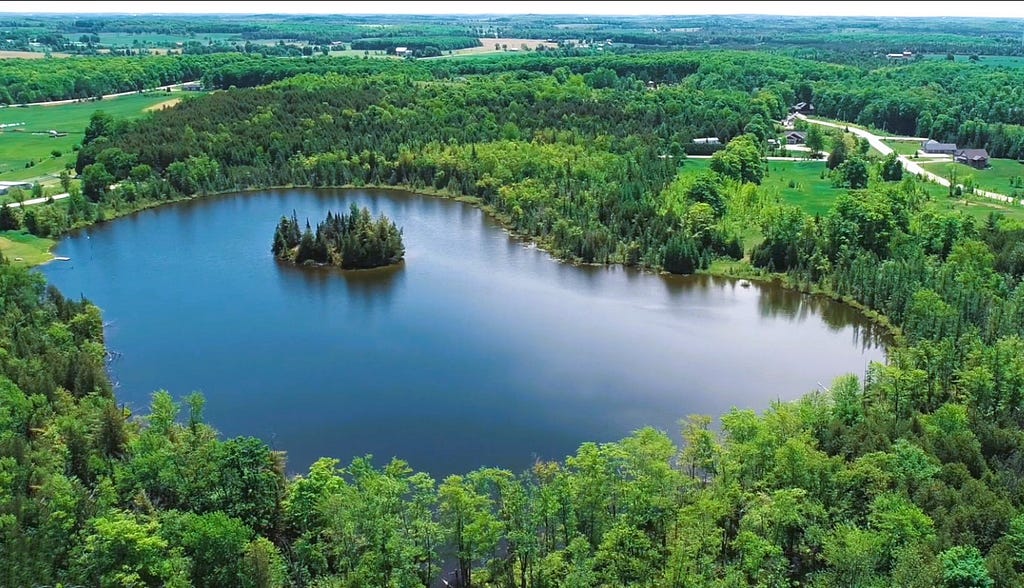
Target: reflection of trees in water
(776, 301)
(680, 285)
(373, 288)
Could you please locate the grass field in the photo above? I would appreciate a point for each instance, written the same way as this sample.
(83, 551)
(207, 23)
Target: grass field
(808, 190)
(904, 147)
(29, 54)
(504, 45)
(21, 145)
(24, 249)
(815, 195)
(989, 60)
(120, 39)
(996, 178)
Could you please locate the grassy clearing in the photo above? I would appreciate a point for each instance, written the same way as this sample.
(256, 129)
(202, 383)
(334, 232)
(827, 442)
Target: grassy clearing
(1000, 177)
(904, 147)
(162, 105)
(985, 60)
(21, 145)
(29, 54)
(122, 39)
(800, 183)
(22, 248)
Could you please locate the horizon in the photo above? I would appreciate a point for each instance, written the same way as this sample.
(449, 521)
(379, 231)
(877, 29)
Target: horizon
(982, 9)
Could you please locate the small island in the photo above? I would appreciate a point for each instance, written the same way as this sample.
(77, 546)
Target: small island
(350, 241)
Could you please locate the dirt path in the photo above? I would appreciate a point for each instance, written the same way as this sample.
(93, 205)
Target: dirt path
(32, 201)
(163, 105)
(105, 96)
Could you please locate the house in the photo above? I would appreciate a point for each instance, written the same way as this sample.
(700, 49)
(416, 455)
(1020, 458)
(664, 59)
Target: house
(403, 52)
(192, 87)
(707, 141)
(796, 138)
(803, 108)
(931, 146)
(6, 187)
(976, 158)
(773, 143)
(904, 55)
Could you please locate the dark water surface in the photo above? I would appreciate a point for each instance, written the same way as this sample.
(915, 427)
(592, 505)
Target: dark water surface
(479, 350)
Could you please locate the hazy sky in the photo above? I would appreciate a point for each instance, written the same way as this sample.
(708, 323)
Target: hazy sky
(893, 8)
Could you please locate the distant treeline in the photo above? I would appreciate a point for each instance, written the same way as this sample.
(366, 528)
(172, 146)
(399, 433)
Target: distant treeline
(420, 44)
(963, 102)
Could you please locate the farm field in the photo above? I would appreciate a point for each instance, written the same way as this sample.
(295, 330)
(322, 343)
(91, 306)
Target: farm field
(504, 45)
(31, 141)
(29, 55)
(120, 39)
(1010, 61)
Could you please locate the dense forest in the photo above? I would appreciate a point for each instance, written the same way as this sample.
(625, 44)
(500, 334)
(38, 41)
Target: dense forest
(349, 241)
(910, 476)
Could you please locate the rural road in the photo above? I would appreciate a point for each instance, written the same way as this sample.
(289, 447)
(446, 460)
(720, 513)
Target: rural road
(910, 166)
(105, 96)
(38, 200)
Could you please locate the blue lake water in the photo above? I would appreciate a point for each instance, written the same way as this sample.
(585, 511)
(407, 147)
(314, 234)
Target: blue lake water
(478, 350)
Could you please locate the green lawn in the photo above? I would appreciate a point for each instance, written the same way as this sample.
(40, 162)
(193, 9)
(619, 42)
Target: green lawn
(904, 147)
(808, 190)
(19, 145)
(24, 249)
(996, 178)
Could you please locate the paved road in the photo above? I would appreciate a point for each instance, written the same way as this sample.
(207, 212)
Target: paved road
(32, 201)
(823, 157)
(105, 96)
(910, 166)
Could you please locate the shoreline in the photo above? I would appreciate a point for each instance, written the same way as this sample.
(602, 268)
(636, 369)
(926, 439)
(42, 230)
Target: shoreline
(745, 270)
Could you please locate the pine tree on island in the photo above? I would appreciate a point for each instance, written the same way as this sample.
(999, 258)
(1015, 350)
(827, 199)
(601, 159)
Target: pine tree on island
(350, 241)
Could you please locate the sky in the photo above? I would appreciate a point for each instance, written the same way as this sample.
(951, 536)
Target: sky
(820, 8)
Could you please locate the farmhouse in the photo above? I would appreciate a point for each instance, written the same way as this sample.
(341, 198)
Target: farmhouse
(192, 87)
(707, 141)
(6, 187)
(976, 158)
(931, 146)
(796, 138)
(403, 52)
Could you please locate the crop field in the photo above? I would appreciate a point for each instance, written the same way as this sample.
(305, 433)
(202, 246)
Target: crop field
(1014, 62)
(31, 140)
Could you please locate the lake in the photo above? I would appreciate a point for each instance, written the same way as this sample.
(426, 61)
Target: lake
(478, 350)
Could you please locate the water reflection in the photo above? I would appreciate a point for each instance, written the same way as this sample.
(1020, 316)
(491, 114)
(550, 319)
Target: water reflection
(370, 289)
(478, 350)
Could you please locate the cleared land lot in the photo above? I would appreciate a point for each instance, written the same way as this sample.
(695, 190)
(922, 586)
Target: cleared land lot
(31, 141)
(29, 55)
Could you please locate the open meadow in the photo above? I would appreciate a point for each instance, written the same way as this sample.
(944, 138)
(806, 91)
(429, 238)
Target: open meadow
(31, 140)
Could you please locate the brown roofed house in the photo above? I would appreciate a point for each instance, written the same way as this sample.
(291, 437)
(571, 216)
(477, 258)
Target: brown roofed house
(976, 158)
